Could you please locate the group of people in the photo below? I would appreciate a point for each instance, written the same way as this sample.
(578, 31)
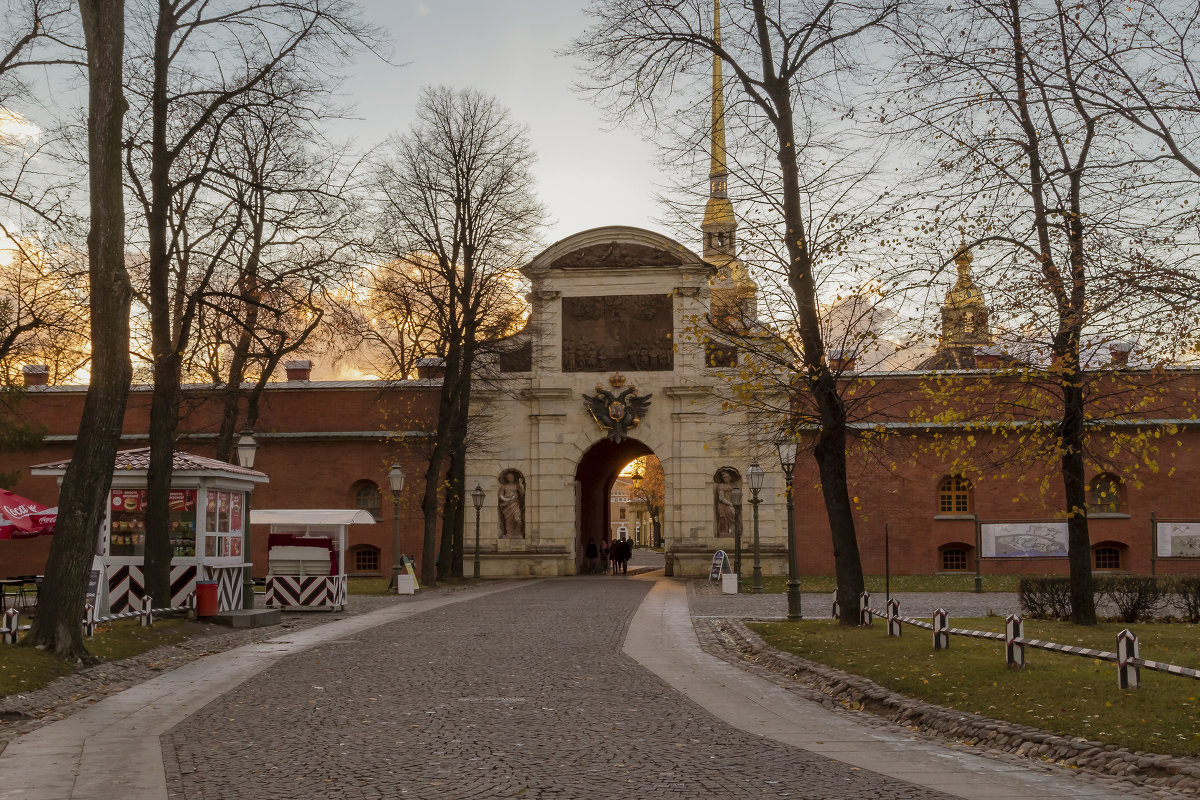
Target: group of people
(610, 558)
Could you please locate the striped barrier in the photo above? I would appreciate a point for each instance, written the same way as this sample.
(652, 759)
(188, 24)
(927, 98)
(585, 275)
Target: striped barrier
(1129, 664)
(12, 623)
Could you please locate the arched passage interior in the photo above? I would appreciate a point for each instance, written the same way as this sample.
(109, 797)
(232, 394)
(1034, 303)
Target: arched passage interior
(594, 479)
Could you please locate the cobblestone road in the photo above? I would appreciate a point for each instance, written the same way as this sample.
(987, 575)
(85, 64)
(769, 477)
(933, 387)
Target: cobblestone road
(523, 694)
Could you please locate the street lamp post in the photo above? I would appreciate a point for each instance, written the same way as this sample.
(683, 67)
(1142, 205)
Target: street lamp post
(754, 476)
(737, 530)
(396, 481)
(247, 448)
(786, 445)
(477, 495)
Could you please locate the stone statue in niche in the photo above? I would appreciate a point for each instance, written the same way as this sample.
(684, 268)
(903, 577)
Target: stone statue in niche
(724, 509)
(510, 501)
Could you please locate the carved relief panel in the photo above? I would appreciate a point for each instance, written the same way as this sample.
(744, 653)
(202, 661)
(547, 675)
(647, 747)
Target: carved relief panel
(617, 332)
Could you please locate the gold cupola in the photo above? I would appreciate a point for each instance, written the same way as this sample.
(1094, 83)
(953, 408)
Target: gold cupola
(964, 314)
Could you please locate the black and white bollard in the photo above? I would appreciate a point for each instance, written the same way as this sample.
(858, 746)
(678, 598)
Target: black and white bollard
(864, 609)
(1014, 650)
(941, 639)
(893, 617)
(837, 607)
(147, 611)
(89, 621)
(1129, 674)
(12, 620)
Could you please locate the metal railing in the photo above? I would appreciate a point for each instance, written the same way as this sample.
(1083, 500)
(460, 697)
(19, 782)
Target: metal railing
(11, 627)
(1129, 664)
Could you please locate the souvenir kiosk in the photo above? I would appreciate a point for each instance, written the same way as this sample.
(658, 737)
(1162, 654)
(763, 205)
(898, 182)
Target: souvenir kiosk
(306, 554)
(208, 525)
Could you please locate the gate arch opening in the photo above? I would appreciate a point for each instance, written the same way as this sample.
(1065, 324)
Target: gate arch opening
(594, 478)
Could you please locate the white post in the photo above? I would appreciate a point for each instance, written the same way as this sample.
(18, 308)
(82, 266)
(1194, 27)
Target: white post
(89, 621)
(837, 609)
(1129, 675)
(941, 639)
(147, 611)
(12, 619)
(864, 611)
(1014, 651)
(893, 617)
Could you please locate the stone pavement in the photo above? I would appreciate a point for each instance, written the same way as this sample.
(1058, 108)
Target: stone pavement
(525, 695)
(511, 690)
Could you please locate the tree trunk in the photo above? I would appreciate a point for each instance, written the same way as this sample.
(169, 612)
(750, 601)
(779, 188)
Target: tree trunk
(164, 420)
(1079, 545)
(830, 450)
(433, 471)
(84, 496)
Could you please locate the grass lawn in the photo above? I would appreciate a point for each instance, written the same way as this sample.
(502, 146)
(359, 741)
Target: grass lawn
(23, 669)
(777, 584)
(1065, 694)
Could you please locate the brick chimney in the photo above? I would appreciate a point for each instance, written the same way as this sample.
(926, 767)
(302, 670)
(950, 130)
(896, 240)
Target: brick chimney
(431, 368)
(1118, 353)
(35, 374)
(841, 360)
(298, 370)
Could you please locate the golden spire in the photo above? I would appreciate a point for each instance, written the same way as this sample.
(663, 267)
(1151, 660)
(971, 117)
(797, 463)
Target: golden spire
(717, 168)
(719, 224)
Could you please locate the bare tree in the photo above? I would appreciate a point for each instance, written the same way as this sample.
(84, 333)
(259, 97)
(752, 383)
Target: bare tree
(1057, 187)
(83, 499)
(457, 216)
(785, 61)
(296, 234)
(200, 65)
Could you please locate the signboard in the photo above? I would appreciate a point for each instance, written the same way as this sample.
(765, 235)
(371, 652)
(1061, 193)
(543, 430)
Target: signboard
(1177, 539)
(93, 587)
(1023, 539)
(408, 567)
(720, 565)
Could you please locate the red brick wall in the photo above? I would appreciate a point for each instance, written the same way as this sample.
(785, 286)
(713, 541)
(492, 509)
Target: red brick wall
(305, 472)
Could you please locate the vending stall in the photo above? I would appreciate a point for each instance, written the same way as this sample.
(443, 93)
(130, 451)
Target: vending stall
(208, 524)
(306, 554)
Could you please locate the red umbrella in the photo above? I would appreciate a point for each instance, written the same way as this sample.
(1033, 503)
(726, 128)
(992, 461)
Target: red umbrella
(21, 518)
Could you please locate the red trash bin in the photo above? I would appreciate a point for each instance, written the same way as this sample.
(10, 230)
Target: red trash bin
(206, 599)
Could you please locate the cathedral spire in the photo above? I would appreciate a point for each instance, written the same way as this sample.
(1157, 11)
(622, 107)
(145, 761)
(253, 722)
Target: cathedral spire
(719, 225)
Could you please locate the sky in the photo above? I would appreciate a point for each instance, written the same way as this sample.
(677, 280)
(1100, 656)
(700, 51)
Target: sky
(588, 174)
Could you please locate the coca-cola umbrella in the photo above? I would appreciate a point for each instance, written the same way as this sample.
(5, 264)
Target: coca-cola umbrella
(22, 518)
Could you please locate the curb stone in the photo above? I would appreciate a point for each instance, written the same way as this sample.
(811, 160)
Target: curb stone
(834, 688)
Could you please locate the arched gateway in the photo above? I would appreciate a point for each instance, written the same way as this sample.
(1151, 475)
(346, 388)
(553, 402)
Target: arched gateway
(610, 367)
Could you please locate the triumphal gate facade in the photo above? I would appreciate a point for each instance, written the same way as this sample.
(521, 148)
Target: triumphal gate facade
(612, 365)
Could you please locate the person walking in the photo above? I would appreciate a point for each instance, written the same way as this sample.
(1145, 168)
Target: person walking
(605, 549)
(591, 554)
(626, 554)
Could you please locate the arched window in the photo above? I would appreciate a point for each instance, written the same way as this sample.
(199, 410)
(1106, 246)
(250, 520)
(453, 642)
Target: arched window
(367, 497)
(1106, 494)
(364, 558)
(955, 495)
(954, 557)
(1107, 556)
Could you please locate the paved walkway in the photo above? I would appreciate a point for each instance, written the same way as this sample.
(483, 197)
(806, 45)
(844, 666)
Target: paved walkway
(567, 688)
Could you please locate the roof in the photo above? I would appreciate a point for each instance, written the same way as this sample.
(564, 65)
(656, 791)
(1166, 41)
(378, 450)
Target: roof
(138, 460)
(310, 516)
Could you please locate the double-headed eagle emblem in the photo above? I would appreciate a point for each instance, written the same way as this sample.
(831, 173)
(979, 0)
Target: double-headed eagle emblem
(617, 414)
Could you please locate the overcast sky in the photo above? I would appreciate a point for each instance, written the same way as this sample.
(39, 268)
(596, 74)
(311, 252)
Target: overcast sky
(588, 174)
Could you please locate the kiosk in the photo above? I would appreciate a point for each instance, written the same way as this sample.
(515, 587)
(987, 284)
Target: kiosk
(209, 501)
(306, 554)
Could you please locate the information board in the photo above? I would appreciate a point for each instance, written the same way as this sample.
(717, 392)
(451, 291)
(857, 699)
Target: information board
(720, 564)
